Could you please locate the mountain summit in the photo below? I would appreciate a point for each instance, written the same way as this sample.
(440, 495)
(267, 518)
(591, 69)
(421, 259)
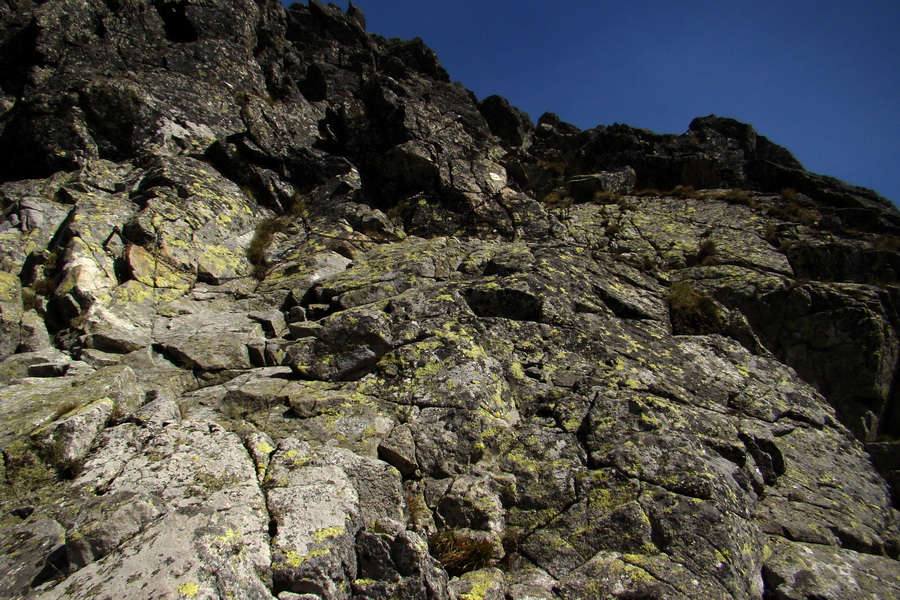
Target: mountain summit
(286, 313)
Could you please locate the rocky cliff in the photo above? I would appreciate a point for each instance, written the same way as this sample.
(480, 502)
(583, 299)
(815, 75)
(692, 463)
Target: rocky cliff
(287, 313)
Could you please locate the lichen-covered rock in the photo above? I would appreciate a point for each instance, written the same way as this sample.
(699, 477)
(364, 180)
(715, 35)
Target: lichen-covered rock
(188, 516)
(107, 521)
(209, 341)
(31, 554)
(33, 332)
(798, 570)
(286, 314)
(32, 408)
(10, 313)
(345, 346)
(488, 584)
(68, 441)
(314, 549)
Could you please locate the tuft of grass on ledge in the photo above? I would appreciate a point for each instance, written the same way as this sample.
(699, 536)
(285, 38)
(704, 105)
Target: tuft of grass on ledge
(262, 240)
(691, 312)
(459, 553)
(683, 192)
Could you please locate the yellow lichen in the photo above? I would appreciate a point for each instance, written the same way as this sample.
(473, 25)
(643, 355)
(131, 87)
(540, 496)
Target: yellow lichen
(294, 560)
(329, 532)
(515, 369)
(481, 583)
(265, 448)
(189, 589)
(230, 536)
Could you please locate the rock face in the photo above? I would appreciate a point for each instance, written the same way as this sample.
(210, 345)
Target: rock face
(284, 313)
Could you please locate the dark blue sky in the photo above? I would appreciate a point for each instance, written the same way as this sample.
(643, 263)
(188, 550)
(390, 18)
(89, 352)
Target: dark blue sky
(821, 78)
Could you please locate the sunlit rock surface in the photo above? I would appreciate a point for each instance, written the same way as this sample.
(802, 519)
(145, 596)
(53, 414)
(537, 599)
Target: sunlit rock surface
(284, 313)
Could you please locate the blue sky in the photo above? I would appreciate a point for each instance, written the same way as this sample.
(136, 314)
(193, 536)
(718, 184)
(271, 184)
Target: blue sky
(821, 78)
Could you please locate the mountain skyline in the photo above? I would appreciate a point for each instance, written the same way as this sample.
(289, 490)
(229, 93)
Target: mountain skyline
(819, 78)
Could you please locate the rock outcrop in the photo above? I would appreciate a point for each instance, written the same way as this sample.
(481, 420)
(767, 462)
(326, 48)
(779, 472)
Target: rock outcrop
(286, 313)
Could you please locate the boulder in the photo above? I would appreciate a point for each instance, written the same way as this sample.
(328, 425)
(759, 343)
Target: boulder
(587, 187)
(347, 345)
(209, 341)
(67, 441)
(796, 570)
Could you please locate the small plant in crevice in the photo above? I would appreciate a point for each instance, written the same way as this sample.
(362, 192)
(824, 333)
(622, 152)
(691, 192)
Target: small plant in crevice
(794, 212)
(512, 540)
(459, 553)
(557, 167)
(419, 514)
(612, 227)
(262, 239)
(625, 204)
(64, 408)
(118, 413)
(706, 254)
(559, 199)
(47, 276)
(770, 234)
(30, 299)
(606, 197)
(647, 263)
(795, 207)
(790, 194)
(691, 312)
(739, 196)
(244, 97)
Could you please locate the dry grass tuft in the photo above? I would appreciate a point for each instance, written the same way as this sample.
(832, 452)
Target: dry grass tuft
(739, 196)
(604, 197)
(691, 312)
(684, 192)
(458, 553)
(790, 194)
(64, 408)
(262, 239)
(706, 254)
